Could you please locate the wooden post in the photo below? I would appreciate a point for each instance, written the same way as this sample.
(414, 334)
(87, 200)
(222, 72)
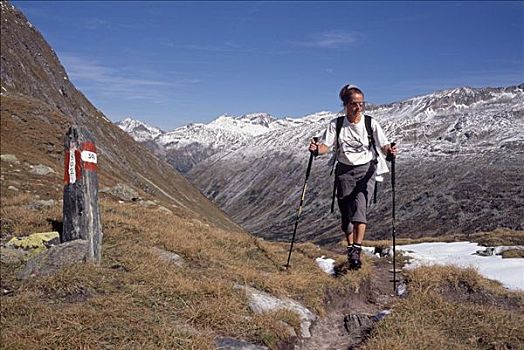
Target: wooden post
(81, 214)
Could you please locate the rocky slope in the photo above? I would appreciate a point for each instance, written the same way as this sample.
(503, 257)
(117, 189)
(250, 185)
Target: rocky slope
(459, 168)
(39, 103)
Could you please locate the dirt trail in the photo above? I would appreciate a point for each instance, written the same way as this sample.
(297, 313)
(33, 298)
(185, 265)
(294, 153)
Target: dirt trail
(336, 331)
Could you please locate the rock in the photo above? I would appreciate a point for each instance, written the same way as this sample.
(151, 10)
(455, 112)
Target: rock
(42, 204)
(261, 302)
(169, 257)
(164, 209)
(402, 289)
(7, 291)
(225, 343)
(122, 192)
(489, 251)
(379, 316)
(34, 242)
(501, 249)
(55, 259)
(12, 256)
(148, 204)
(290, 330)
(9, 158)
(359, 326)
(486, 252)
(12, 188)
(41, 169)
(383, 251)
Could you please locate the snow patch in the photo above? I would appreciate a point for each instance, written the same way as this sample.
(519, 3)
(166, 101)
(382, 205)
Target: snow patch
(510, 272)
(326, 264)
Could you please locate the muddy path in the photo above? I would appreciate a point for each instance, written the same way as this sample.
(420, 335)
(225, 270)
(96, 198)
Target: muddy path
(349, 318)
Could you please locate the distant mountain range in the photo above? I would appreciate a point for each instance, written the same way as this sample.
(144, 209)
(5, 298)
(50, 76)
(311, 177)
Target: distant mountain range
(459, 167)
(189, 145)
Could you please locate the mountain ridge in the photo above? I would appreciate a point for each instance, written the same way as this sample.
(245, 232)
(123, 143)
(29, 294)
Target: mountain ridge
(427, 106)
(466, 129)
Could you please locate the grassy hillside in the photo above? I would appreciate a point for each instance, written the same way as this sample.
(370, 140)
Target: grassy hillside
(451, 308)
(137, 300)
(134, 299)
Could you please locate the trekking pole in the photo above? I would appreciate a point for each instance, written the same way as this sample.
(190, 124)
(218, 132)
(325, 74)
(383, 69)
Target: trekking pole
(393, 225)
(391, 158)
(308, 171)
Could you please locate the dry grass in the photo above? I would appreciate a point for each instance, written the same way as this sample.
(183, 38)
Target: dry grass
(498, 237)
(19, 220)
(134, 299)
(451, 308)
(513, 253)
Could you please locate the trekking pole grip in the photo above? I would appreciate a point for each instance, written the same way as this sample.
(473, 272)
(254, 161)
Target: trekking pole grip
(390, 157)
(316, 153)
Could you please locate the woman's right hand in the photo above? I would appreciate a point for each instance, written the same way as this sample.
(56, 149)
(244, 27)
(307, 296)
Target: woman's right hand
(313, 147)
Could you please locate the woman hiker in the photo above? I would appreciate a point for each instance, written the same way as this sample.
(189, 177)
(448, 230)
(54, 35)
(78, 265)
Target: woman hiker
(356, 168)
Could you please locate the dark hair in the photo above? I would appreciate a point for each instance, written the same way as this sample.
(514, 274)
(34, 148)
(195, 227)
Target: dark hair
(347, 92)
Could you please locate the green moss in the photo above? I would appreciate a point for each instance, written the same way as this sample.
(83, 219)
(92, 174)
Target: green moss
(33, 242)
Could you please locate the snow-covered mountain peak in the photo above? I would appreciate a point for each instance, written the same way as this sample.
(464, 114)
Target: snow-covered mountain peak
(258, 118)
(140, 131)
(319, 117)
(449, 120)
(253, 124)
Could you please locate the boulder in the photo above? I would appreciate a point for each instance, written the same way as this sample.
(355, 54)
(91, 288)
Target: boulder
(168, 256)
(359, 326)
(55, 259)
(225, 343)
(164, 209)
(122, 192)
(42, 204)
(12, 256)
(9, 158)
(489, 251)
(261, 302)
(36, 242)
(41, 169)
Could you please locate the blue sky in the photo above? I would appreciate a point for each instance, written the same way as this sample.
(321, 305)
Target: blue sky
(173, 63)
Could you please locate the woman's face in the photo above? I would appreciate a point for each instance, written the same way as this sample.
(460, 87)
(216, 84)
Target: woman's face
(355, 106)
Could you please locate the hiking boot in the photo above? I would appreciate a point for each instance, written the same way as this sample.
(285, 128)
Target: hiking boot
(349, 252)
(354, 258)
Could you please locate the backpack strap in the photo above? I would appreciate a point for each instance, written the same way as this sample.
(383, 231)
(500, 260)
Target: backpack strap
(369, 130)
(340, 122)
(371, 139)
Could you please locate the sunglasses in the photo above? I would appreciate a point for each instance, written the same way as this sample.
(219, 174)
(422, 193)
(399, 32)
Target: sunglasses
(361, 104)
